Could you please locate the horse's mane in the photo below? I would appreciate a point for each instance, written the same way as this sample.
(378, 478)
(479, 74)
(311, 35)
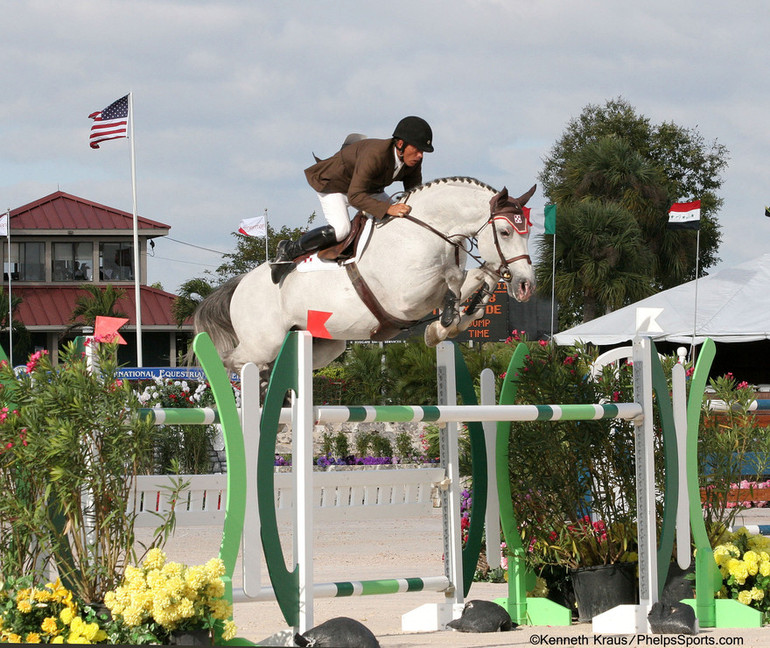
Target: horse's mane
(455, 180)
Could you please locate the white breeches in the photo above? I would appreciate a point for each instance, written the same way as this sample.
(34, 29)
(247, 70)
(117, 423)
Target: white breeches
(335, 208)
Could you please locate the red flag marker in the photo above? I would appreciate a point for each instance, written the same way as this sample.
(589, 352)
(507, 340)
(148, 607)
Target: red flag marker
(106, 329)
(316, 321)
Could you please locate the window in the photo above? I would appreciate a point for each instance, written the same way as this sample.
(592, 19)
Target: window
(72, 261)
(116, 261)
(27, 262)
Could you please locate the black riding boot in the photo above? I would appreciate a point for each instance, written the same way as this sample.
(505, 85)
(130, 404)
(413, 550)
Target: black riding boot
(449, 314)
(317, 239)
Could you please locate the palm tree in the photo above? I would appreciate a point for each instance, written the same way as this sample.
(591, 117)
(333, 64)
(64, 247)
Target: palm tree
(97, 302)
(191, 293)
(612, 244)
(602, 262)
(21, 336)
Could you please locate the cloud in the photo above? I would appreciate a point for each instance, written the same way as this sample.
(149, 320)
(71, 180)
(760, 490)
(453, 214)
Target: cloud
(231, 98)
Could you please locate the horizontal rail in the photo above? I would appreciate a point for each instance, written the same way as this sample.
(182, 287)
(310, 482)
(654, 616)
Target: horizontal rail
(413, 413)
(463, 413)
(357, 588)
(759, 405)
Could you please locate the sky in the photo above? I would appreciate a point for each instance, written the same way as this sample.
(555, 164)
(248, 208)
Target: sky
(232, 98)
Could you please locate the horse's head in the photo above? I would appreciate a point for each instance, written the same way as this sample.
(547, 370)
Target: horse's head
(503, 242)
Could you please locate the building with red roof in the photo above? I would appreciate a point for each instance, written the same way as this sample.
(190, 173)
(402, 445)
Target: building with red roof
(60, 243)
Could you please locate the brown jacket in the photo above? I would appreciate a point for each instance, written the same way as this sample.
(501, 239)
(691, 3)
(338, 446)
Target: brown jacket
(361, 169)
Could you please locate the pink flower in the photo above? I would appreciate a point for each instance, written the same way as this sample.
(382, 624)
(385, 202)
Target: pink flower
(34, 359)
(543, 343)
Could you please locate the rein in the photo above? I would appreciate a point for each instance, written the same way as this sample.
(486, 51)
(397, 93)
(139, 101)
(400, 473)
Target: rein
(503, 270)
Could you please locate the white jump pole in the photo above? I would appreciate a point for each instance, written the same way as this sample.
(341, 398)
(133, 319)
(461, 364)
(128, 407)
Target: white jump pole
(632, 619)
(492, 518)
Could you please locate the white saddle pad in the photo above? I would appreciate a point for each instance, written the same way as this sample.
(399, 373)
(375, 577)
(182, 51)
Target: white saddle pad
(314, 264)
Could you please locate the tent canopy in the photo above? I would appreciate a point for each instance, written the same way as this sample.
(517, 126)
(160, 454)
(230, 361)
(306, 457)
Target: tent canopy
(733, 305)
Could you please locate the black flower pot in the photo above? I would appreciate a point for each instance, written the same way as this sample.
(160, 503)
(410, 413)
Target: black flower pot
(601, 587)
(190, 638)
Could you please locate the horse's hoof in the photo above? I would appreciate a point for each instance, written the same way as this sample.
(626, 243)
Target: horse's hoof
(432, 337)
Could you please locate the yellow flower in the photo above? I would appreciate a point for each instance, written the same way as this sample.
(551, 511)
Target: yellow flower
(216, 589)
(90, 630)
(228, 632)
(132, 616)
(49, 626)
(186, 608)
(42, 595)
(57, 640)
(155, 559)
(738, 570)
(744, 597)
(221, 609)
(764, 568)
(32, 637)
(173, 569)
(66, 615)
(77, 639)
(196, 577)
(215, 568)
(722, 554)
(757, 594)
(24, 606)
(14, 638)
(77, 625)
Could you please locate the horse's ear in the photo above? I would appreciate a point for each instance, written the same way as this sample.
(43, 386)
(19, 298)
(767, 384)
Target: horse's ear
(499, 199)
(522, 200)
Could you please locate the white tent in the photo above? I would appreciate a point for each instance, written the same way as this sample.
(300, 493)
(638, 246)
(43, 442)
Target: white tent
(733, 305)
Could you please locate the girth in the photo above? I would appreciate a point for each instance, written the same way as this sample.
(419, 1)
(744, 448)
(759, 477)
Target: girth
(388, 326)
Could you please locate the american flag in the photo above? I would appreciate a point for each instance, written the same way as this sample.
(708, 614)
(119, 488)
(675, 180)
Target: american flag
(110, 123)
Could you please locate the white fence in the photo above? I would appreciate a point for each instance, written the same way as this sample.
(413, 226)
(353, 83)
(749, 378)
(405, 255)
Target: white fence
(367, 494)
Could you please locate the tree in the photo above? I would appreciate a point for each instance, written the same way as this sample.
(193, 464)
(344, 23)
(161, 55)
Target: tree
(250, 250)
(612, 155)
(97, 302)
(191, 293)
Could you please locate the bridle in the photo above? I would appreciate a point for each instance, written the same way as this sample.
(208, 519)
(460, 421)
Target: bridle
(512, 212)
(520, 224)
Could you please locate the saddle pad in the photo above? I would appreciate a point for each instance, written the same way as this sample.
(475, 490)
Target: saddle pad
(314, 264)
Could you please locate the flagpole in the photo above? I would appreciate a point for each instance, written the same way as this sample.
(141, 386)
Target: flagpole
(553, 281)
(695, 307)
(10, 300)
(137, 267)
(267, 256)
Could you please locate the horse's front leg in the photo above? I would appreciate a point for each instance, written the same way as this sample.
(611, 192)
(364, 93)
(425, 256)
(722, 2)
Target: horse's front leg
(452, 323)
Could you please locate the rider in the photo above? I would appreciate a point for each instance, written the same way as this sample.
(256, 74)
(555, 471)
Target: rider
(357, 175)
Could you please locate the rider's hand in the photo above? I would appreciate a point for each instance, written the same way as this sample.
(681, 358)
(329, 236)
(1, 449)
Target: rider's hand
(398, 210)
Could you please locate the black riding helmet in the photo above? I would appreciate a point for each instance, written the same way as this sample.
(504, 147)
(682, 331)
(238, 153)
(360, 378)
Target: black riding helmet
(415, 131)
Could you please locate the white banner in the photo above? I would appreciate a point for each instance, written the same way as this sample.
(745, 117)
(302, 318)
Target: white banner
(254, 227)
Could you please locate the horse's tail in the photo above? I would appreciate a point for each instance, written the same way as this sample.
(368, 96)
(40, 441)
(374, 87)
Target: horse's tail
(213, 317)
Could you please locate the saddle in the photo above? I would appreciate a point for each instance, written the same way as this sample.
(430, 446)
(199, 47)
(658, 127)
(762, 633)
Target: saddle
(346, 248)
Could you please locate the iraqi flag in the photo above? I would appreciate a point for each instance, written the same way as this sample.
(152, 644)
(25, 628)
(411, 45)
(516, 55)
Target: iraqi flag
(684, 215)
(253, 227)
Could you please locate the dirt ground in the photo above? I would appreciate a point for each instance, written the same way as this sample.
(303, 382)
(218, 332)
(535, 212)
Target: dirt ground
(356, 550)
